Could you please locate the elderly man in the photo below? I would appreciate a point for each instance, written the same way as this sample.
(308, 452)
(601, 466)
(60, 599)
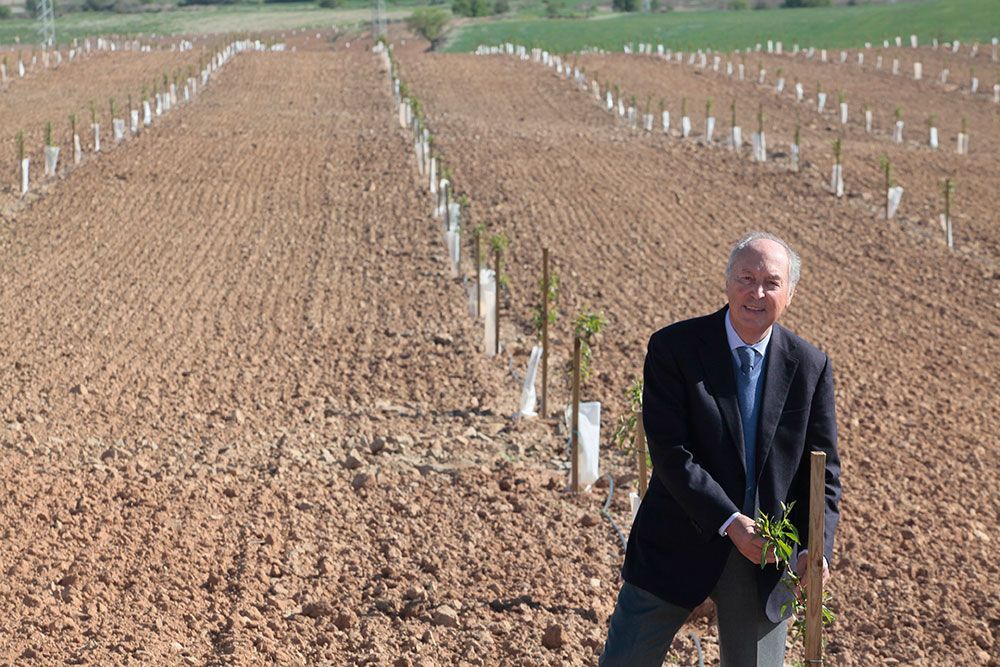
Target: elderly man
(725, 394)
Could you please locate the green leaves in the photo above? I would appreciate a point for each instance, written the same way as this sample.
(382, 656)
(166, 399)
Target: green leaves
(779, 536)
(537, 316)
(585, 327)
(625, 431)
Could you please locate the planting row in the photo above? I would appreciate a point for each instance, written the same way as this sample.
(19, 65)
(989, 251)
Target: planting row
(483, 292)
(857, 142)
(125, 117)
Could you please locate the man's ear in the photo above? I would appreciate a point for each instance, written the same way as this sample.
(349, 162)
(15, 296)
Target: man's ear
(791, 293)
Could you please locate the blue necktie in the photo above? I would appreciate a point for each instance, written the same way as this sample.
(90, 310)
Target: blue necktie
(747, 385)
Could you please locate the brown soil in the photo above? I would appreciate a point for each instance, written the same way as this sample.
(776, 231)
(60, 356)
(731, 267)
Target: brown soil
(248, 419)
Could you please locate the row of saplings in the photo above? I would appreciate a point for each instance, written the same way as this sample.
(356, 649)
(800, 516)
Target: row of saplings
(165, 93)
(613, 100)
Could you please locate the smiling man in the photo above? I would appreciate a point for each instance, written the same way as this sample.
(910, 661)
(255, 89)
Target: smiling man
(733, 405)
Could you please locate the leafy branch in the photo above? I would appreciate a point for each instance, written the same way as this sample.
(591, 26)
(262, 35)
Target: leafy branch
(585, 327)
(779, 536)
(627, 421)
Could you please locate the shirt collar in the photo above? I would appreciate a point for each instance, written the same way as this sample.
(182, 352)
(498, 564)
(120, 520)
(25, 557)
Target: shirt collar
(735, 341)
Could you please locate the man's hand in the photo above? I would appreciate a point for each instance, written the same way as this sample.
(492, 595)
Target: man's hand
(743, 532)
(803, 565)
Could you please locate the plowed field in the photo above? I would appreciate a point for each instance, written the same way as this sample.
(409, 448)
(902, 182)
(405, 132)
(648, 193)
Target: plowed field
(247, 418)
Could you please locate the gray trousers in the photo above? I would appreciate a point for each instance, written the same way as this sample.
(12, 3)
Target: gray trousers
(643, 625)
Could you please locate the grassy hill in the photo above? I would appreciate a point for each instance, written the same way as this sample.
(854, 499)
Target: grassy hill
(966, 20)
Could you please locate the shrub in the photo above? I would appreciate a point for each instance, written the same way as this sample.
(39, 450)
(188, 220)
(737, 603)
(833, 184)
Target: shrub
(429, 23)
(330, 4)
(472, 7)
(626, 5)
(807, 3)
(739, 5)
(4, 12)
(501, 6)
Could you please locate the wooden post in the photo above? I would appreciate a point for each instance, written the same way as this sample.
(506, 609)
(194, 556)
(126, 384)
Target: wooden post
(814, 574)
(496, 301)
(640, 452)
(575, 420)
(545, 331)
(479, 285)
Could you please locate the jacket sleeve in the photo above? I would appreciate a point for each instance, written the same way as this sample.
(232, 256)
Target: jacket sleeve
(675, 456)
(821, 436)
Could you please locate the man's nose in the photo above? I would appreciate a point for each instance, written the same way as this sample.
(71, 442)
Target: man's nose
(758, 290)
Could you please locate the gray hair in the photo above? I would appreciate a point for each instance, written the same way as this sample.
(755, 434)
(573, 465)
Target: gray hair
(794, 263)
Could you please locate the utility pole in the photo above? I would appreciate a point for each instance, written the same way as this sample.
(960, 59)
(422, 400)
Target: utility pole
(378, 20)
(46, 23)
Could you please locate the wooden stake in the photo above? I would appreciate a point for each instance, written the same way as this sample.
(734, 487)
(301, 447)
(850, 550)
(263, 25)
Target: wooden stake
(496, 302)
(545, 331)
(640, 452)
(479, 286)
(575, 421)
(814, 574)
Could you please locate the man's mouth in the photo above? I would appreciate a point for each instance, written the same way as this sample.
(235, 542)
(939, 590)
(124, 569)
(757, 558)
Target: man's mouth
(754, 309)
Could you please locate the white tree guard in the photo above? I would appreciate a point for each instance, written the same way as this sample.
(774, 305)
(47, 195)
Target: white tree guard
(77, 153)
(894, 195)
(97, 137)
(665, 120)
(25, 163)
(736, 138)
(589, 439)
(843, 113)
(933, 138)
(487, 298)
(528, 395)
(685, 126)
(759, 146)
(820, 102)
(51, 160)
(837, 180)
(897, 133)
(709, 128)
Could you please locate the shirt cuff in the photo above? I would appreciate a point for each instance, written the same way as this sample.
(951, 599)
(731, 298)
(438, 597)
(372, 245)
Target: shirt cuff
(826, 563)
(732, 517)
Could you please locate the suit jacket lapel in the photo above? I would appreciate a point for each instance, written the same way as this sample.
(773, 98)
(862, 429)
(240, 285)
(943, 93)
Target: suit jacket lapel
(717, 361)
(781, 365)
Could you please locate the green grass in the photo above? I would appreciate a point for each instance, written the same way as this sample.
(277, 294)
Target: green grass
(197, 20)
(837, 27)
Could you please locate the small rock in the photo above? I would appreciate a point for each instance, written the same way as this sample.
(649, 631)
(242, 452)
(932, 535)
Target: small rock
(445, 616)
(378, 444)
(353, 460)
(238, 417)
(78, 389)
(317, 609)
(345, 620)
(443, 339)
(590, 519)
(304, 505)
(363, 480)
(553, 637)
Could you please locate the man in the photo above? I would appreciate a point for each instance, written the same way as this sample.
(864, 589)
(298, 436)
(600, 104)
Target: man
(726, 393)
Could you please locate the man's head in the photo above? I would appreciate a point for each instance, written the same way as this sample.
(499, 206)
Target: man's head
(760, 280)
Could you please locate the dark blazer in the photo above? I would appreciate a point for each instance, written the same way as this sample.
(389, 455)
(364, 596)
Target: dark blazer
(695, 438)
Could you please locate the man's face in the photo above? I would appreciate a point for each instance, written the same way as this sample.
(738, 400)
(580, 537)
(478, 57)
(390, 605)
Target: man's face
(758, 289)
